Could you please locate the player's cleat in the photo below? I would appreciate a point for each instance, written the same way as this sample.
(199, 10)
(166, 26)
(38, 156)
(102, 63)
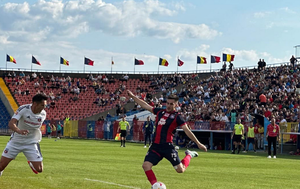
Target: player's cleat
(191, 153)
(233, 152)
(121, 146)
(145, 146)
(274, 157)
(32, 168)
(269, 157)
(1, 173)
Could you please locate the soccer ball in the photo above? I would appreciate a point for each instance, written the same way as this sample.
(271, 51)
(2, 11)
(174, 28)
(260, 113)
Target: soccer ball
(158, 185)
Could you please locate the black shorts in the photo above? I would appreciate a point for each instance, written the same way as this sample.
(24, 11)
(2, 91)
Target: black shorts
(159, 151)
(123, 133)
(250, 140)
(237, 138)
(58, 132)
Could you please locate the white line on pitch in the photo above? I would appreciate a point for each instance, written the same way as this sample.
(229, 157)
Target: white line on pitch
(111, 183)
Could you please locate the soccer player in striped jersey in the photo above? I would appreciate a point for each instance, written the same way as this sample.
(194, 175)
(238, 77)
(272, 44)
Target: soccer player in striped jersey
(167, 120)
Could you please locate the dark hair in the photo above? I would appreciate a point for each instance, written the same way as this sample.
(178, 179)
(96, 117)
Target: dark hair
(173, 97)
(39, 98)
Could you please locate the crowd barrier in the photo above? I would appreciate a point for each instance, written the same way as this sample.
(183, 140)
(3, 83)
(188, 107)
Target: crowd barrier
(108, 130)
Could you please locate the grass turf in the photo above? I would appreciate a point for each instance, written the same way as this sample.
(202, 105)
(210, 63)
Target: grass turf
(70, 163)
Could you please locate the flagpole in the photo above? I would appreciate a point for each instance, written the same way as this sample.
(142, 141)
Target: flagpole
(84, 65)
(158, 69)
(31, 63)
(210, 65)
(197, 64)
(134, 65)
(177, 64)
(59, 65)
(6, 61)
(111, 64)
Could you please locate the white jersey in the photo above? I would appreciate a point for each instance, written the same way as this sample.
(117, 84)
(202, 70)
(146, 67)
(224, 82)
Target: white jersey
(28, 121)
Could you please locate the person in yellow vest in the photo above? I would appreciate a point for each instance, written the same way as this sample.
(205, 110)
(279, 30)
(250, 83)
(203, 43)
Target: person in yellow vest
(250, 137)
(67, 119)
(124, 126)
(237, 134)
(260, 140)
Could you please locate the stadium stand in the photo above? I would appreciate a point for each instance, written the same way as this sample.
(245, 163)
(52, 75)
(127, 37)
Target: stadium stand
(4, 118)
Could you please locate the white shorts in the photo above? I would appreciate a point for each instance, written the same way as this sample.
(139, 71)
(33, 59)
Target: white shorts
(31, 151)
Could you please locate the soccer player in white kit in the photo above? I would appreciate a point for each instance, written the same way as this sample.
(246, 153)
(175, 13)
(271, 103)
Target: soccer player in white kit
(27, 134)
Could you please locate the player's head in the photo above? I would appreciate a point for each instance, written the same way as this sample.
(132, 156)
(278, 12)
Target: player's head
(238, 121)
(273, 121)
(39, 102)
(172, 102)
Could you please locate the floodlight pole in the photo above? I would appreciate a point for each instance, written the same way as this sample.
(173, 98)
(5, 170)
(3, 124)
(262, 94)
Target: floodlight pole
(296, 47)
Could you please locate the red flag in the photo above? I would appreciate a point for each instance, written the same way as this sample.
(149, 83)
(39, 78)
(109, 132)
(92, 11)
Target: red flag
(180, 62)
(88, 61)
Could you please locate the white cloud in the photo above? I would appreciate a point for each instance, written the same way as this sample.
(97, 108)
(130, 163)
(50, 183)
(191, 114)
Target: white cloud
(261, 14)
(190, 55)
(72, 18)
(288, 10)
(4, 40)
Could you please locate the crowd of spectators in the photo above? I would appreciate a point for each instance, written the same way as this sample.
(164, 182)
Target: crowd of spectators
(271, 92)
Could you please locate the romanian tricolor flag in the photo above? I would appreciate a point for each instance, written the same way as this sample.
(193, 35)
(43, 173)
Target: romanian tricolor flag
(228, 57)
(201, 60)
(10, 59)
(64, 61)
(88, 61)
(34, 61)
(180, 62)
(163, 62)
(138, 62)
(215, 59)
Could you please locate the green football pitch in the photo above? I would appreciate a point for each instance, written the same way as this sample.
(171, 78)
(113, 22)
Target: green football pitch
(85, 164)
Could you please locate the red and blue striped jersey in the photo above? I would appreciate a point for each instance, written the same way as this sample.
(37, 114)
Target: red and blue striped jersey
(166, 124)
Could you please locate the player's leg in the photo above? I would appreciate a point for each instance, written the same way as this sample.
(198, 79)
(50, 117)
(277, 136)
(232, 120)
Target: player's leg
(145, 137)
(122, 138)
(274, 146)
(4, 161)
(180, 168)
(34, 157)
(248, 146)
(9, 153)
(121, 141)
(151, 159)
(269, 147)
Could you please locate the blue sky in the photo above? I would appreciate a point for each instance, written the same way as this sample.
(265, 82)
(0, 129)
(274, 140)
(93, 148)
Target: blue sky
(146, 30)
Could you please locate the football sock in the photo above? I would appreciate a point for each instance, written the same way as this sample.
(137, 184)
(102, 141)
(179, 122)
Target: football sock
(151, 176)
(186, 160)
(124, 142)
(32, 168)
(121, 142)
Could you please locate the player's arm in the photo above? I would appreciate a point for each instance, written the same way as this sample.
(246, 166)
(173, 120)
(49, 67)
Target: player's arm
(191, 135)
(243, 130)
(13, 126)
(142, 103)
